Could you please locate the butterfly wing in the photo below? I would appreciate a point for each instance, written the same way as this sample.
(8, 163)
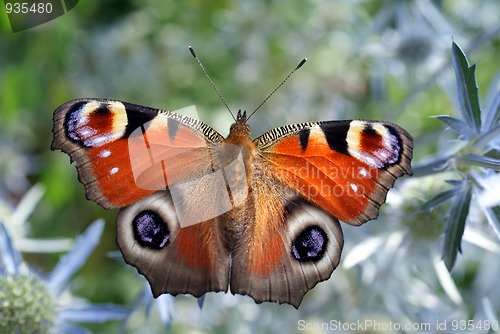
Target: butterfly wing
(138, 159)
(281, 258)
(345, 167)
(285, 236)
(125, 152)
(311, 175)
(174, 260)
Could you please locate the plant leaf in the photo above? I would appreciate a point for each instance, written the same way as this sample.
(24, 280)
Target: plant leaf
(493, 115)
(440, 198)
(431, 167)
(466, 89)
(457, 125)
(10, 257)
(72, 261)
(493, 216)
(455, 183)
(165, 305)
(72, 328)
(455, 227)
(201, 301)
(488, 138)
(94, 313)
(447, 282)
(480, 160)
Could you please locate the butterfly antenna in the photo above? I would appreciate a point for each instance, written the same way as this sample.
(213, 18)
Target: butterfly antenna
(209, 79)
(302, 62)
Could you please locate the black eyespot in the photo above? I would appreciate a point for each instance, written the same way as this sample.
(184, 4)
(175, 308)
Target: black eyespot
(370, 131)
(310, 244)
(102, 110)
(150, 230)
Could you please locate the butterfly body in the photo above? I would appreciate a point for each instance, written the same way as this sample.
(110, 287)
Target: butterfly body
(200, 212)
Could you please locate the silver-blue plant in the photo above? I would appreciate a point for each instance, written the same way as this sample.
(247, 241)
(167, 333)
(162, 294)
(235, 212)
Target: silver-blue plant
(30, 303)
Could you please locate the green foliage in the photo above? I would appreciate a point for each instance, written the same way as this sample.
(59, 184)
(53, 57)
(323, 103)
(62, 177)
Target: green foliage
(467, 90)
(455, 225)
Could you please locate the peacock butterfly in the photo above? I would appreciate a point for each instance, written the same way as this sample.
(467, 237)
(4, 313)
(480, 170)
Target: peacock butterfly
(200, 212)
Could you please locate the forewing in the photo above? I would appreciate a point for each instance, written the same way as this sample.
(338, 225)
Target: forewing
(124, 152)
(344, 167)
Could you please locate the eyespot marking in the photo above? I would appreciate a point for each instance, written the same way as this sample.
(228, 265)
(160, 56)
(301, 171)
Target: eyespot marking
(310, 245)
(150, 230)
(95, 123)
(375, 144)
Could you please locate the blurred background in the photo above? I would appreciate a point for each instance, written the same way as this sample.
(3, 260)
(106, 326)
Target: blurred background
(384, 60)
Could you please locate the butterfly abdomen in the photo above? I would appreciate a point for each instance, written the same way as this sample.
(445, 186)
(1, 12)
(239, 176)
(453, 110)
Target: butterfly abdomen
(236, 158)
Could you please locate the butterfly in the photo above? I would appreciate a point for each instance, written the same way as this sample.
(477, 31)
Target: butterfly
(200, 212)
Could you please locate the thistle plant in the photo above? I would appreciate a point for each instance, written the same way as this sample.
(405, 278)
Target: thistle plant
(472, 165)
(31, 303)
(26, 305)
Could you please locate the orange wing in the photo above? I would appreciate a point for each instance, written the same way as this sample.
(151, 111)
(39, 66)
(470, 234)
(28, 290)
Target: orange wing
(344, 167)
(125, 152)
(307, 177)
(127, 156)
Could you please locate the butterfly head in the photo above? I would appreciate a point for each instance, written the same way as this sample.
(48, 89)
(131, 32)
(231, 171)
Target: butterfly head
(240, 127)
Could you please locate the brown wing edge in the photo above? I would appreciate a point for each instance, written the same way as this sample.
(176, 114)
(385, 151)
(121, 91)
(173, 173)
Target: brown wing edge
(388, 175)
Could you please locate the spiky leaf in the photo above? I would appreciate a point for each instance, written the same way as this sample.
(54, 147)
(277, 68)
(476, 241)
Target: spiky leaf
(493, 116)
(467, 89)
(455, 227)
(457, 125)
(440, 198)
(481, 161)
